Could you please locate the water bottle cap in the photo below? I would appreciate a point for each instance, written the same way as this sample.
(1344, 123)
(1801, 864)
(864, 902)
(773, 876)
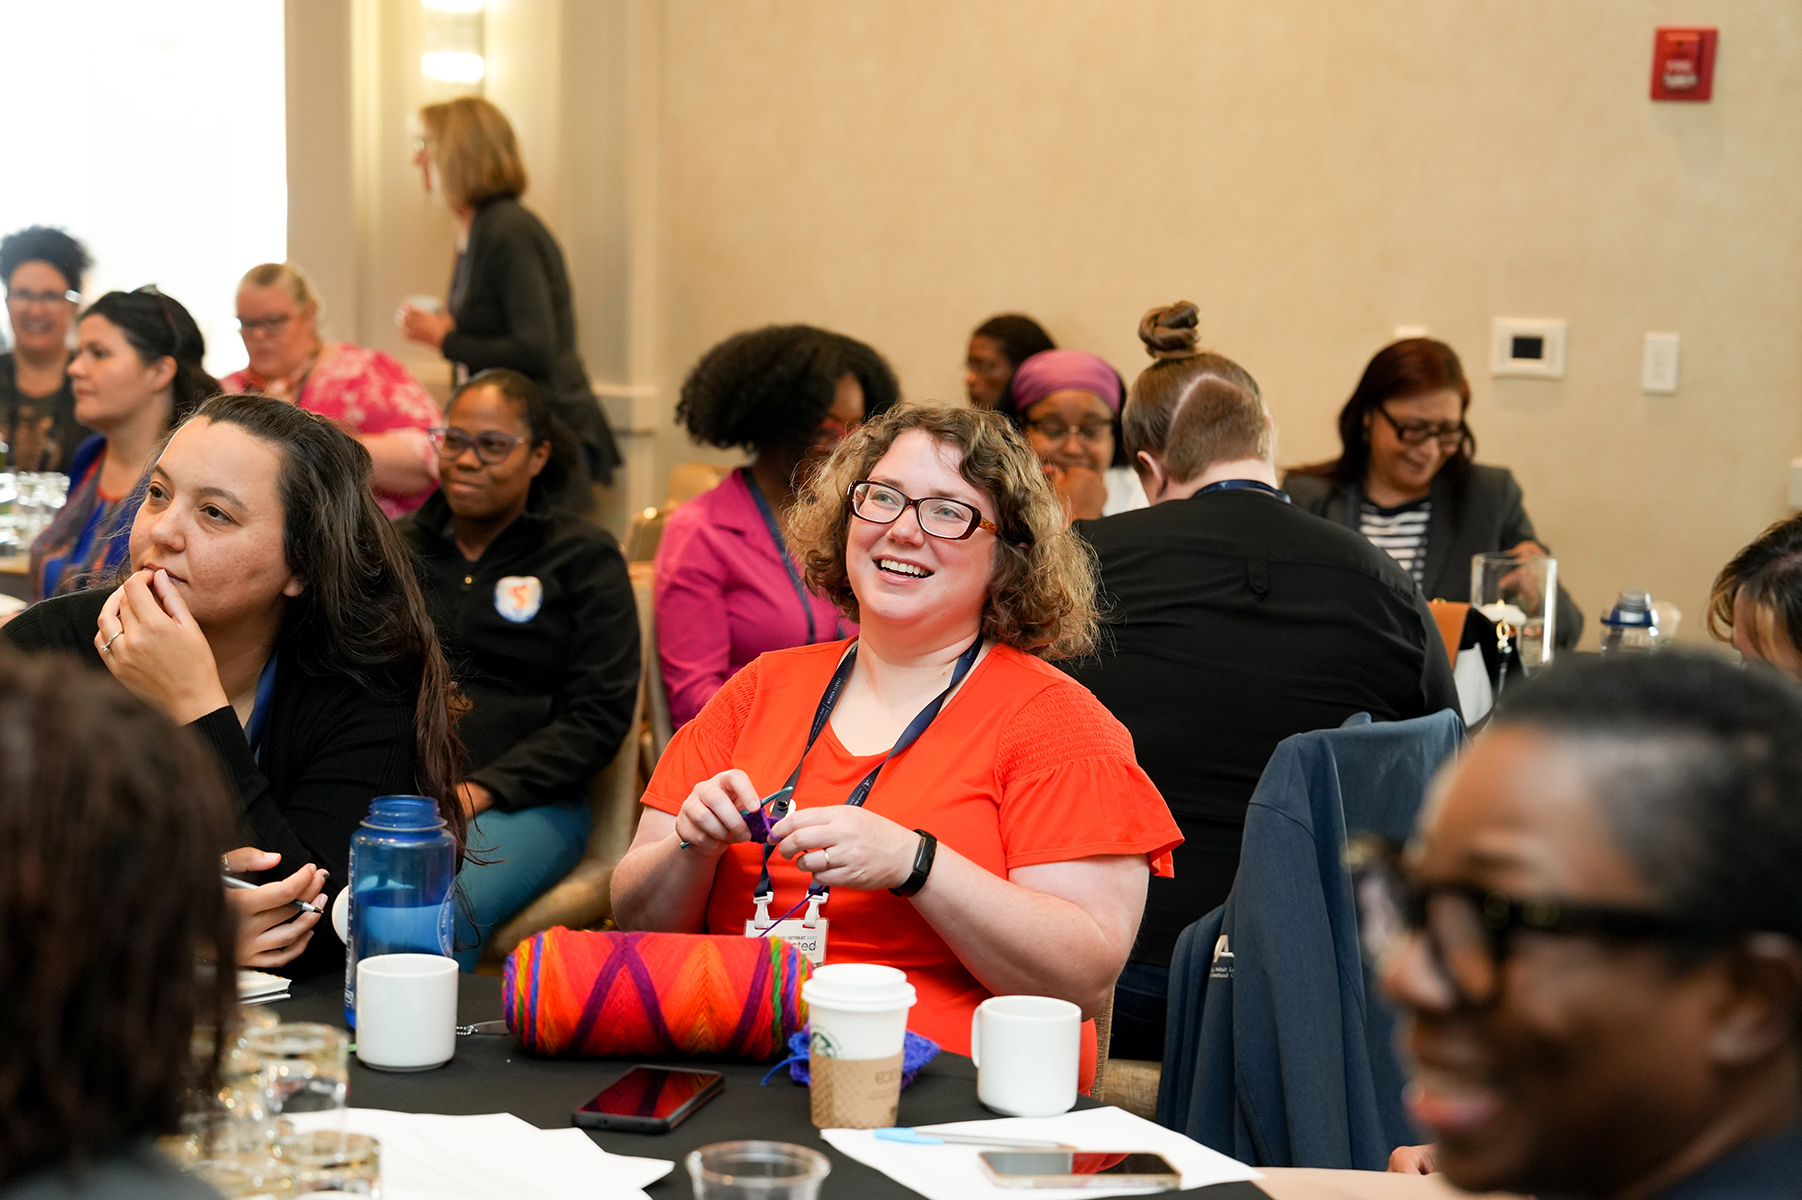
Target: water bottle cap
(405, 813)
(1633, 610)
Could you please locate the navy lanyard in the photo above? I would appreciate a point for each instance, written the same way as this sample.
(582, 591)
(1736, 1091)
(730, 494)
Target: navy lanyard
(788, 563)
(259, 713)
(1256, 485)
(828, 701)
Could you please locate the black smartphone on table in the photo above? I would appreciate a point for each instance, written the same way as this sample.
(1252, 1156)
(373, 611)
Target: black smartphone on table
(649, 1099)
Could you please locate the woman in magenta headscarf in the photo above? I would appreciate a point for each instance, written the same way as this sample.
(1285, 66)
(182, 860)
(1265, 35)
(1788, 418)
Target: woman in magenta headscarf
(1067, 402)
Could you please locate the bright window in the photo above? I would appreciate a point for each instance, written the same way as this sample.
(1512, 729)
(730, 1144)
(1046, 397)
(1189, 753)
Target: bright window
(154, 133)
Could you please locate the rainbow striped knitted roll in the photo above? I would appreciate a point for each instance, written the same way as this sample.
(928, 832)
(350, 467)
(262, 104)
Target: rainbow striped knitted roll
(654, 994)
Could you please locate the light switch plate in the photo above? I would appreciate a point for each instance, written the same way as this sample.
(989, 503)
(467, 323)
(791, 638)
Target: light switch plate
(1658, 365)
(1531, 347)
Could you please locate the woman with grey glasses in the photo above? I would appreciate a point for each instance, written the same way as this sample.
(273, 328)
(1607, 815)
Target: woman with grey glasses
(1407, 479)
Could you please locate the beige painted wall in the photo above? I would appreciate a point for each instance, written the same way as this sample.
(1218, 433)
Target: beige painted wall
(1313, 174)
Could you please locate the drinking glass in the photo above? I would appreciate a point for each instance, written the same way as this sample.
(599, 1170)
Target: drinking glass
(757, 1171)
(1521, 593)
(325, 1160)
(305, 1067)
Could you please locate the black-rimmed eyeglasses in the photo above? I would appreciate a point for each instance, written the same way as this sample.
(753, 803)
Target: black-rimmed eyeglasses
(1413, 433)
(491, 446)
(940, 516)
(1470, 931)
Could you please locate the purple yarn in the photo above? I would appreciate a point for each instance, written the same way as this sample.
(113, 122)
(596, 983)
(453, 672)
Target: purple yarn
(916, 1052)
(758, 824)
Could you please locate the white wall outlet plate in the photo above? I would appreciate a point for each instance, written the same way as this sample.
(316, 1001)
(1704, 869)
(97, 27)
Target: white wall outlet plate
(1403, 332)
(1532, 347)
(1795, 483)
(1658, 365)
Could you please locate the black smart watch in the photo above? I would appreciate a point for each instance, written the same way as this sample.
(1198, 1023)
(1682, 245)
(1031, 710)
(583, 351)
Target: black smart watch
(929, 846)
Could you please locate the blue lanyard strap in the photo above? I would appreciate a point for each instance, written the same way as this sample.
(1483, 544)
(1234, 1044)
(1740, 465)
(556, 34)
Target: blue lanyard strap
(259, 714)
(1234, 485)
(780, 801)
(788, 562)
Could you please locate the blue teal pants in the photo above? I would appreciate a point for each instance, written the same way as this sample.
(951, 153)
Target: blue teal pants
(527, 852)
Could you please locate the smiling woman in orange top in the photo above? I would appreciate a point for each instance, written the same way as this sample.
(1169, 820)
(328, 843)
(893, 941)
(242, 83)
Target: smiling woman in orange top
(980, 863)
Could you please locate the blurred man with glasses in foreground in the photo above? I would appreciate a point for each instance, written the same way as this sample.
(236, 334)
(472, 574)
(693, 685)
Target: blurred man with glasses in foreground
(1596, 938)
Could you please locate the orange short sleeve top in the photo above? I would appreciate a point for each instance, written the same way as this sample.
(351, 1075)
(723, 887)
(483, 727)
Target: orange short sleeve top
(1022, 766)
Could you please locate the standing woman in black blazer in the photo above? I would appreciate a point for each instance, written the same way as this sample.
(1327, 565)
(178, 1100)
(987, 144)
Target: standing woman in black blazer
(510, 303)
(1406, 477)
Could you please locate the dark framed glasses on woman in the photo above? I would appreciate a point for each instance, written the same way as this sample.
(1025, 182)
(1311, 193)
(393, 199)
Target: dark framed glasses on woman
(490, 447)
(1470, 932)
(1413, 433)
(940, 516)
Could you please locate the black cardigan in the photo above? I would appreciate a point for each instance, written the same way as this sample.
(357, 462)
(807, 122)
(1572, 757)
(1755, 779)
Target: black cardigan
(329, 747)
(551, 695)
(510, 297)
(1489, 517)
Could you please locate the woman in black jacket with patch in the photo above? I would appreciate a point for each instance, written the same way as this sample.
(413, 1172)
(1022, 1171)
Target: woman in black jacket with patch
(535, 611)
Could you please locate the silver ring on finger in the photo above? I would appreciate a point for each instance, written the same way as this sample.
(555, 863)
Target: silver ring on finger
(111, 640)
(827, 858)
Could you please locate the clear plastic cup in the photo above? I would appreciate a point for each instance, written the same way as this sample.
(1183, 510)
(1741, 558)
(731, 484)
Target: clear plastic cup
(757, 1171)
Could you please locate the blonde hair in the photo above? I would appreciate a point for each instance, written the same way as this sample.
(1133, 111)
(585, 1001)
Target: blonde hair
(290, 279)
(1191, 407)
(1041, 594)
(473, 146)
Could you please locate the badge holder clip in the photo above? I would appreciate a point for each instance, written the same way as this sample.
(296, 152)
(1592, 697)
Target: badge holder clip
(806, 934)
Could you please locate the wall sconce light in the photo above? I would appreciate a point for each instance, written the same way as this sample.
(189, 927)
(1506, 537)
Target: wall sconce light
(453, 41)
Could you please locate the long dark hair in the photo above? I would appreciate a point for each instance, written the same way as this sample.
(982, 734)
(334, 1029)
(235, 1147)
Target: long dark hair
(157, 326)
(555, 483)
(362, 613)
(1410, 367)
(112, 821)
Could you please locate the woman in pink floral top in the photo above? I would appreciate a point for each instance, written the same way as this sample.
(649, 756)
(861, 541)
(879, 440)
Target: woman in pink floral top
(368, 394)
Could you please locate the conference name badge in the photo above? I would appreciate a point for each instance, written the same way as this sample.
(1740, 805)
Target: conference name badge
(807, 934)
(518, 598)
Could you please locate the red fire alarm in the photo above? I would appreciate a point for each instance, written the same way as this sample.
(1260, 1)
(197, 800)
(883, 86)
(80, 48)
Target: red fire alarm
(1683, 64)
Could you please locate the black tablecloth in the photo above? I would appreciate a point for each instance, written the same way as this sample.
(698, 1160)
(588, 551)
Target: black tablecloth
(491, 1074)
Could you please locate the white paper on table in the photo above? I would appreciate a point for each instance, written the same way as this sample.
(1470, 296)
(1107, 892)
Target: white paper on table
(952, 1172)
(428, 1156)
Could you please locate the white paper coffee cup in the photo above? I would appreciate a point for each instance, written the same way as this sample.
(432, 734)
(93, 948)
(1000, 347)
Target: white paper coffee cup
(857, 1010)
(406, 1011)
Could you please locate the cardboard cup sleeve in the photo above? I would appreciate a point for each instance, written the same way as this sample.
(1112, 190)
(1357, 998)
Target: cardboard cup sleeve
(855, 1093)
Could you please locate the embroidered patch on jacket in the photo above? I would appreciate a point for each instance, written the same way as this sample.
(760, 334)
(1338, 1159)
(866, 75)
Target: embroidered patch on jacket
(1222, 967)
(518, 598)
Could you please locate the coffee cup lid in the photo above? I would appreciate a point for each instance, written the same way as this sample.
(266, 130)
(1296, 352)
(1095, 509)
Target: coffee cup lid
(858, 987)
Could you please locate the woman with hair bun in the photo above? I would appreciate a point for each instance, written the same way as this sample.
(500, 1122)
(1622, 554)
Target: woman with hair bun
(368, 394)
(1407, 477)
(136, 374)
(964, 844)
(727, 587)
(272, 609)
(535, 610)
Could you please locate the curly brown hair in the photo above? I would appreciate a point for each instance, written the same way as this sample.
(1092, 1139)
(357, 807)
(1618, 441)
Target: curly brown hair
(1041, 596)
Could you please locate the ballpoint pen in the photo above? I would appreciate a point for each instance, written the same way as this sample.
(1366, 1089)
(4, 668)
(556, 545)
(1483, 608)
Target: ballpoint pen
(234, 882)
(928, 1137)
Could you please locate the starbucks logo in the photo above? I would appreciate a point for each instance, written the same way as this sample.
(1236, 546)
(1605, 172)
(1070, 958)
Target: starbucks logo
(821, 1044)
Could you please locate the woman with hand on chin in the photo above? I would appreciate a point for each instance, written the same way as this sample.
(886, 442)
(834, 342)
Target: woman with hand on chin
(271, 608)
(536, 614)
(979, 862)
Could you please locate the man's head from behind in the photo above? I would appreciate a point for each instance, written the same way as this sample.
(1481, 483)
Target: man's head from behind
(1603, 986)
(1191, 409)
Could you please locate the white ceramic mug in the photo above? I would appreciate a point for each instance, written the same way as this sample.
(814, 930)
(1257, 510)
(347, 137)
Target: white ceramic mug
(1026, 1050)
(406, 1011)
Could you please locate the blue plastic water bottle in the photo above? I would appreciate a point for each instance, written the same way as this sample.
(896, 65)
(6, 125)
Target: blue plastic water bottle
(403, 875)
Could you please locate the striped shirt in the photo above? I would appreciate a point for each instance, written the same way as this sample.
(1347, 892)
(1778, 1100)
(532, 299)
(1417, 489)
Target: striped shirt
(1401, 530)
